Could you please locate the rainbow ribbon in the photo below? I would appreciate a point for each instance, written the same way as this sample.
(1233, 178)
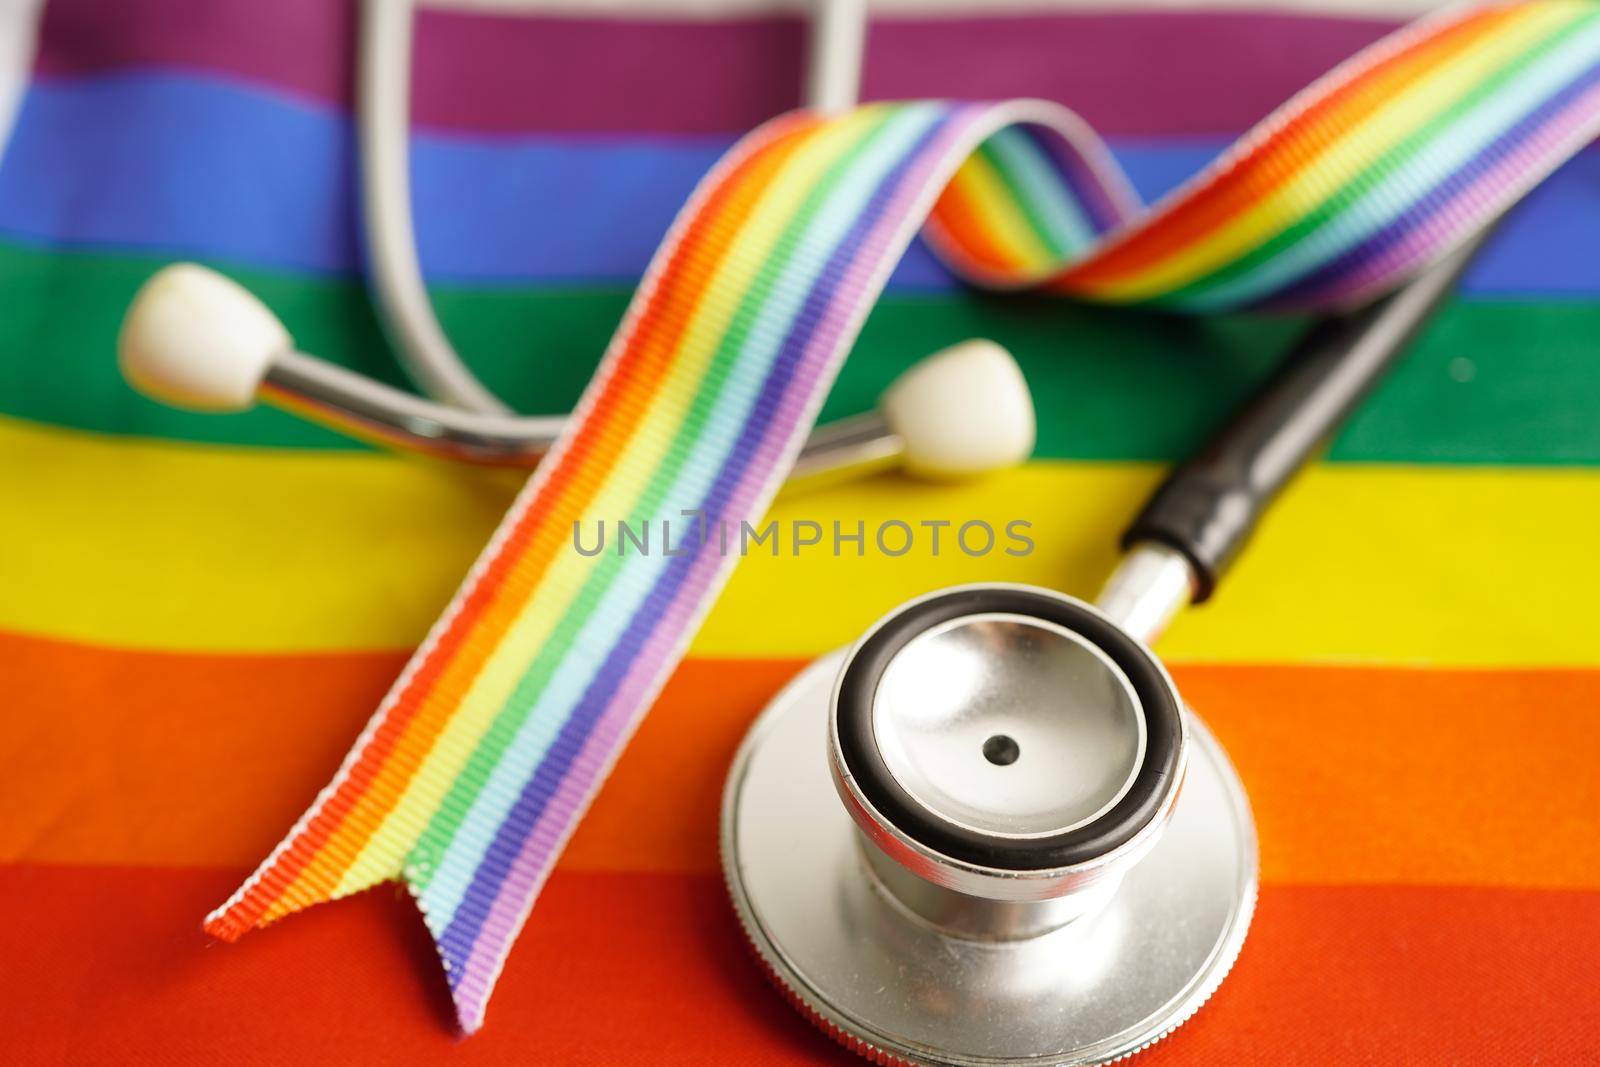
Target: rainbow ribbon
(476, 768)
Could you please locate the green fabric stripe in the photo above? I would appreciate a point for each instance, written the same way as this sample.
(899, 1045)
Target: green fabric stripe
(1442, 127)
(1111, 383)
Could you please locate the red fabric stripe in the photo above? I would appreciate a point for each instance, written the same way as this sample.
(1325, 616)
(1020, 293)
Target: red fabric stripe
(633, 968)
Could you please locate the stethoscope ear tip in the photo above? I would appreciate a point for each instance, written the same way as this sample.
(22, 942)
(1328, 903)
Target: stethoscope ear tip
(196, 339)
(962, 412)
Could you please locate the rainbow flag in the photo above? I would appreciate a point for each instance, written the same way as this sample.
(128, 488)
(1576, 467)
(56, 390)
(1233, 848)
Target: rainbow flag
(255, 570)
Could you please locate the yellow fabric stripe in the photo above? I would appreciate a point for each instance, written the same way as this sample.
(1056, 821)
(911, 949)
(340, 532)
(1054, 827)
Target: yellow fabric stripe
(1318, 177)
(565, 578)
(173, 546)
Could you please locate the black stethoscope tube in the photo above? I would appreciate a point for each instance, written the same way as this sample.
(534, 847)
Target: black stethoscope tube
(1209, 505)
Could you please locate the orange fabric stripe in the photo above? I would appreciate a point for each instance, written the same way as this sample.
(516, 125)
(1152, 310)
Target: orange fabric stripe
(1357, 775)
(958, 217)
(652, 970)
(1234, 191)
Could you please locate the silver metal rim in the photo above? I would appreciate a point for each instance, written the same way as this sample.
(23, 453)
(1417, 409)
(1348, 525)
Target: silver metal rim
(1207, 758)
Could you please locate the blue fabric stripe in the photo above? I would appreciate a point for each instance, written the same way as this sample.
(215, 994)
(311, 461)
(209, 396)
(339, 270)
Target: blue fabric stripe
(194, 167)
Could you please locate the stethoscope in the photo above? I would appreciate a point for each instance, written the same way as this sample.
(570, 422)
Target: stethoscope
(990, 832)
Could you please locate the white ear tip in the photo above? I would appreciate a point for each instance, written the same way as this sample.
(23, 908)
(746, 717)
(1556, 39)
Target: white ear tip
(963, 411)
(195, 339)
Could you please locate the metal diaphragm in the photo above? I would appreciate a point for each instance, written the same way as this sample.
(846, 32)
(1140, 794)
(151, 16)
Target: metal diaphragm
(1014, 874)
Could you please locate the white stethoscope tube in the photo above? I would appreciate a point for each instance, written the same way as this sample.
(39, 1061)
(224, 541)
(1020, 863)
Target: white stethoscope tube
(383, 97)
(194, 339)
(833, 67)
(394, 272)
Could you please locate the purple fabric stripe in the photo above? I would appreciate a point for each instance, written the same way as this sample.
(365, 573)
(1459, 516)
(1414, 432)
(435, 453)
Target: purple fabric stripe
(489, 882)
(1434, 221)
(791, 389)
(1091, 188)
(1127, 73)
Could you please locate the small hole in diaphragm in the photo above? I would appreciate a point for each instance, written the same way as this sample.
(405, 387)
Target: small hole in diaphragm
(1001, 750)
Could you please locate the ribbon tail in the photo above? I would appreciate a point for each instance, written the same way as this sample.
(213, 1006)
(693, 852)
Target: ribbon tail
(473, 965)
(476, 894)
(286, 883)
(350, 839)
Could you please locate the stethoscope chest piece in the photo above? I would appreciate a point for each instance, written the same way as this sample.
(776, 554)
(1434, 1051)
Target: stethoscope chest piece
(990, 833)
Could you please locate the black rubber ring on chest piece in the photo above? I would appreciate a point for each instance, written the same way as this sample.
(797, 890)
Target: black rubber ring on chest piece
(858, 745)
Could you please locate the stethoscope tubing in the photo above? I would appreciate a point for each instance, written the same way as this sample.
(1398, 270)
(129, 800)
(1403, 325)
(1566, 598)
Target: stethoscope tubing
(1199, 518)
(394, 270)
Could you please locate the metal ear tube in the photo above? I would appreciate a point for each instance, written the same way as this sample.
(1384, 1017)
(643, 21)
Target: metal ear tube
(991, 832)
(194, 339)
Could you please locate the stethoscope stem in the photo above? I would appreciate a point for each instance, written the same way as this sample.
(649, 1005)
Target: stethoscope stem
(1150, 585)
